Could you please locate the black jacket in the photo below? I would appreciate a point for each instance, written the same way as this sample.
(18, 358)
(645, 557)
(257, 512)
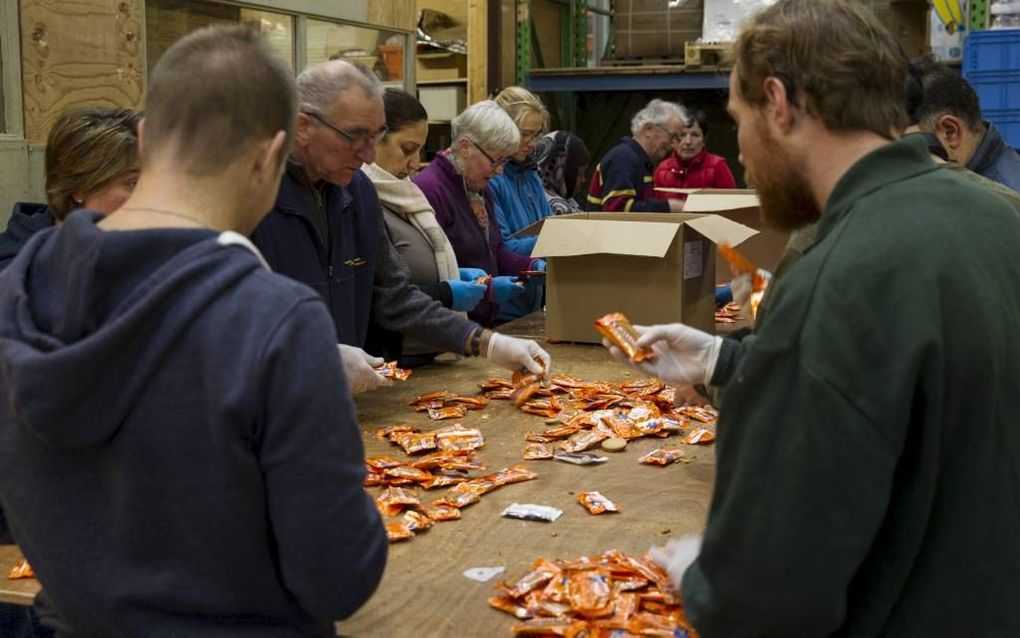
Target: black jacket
(27, 219)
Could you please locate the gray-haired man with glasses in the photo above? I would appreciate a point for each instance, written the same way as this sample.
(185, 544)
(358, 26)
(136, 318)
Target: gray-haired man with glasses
(327, 231)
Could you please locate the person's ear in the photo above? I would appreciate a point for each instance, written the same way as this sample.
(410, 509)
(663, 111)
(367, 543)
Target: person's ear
(950, 131)
(302, 129)
(270, 158)
(780, 109)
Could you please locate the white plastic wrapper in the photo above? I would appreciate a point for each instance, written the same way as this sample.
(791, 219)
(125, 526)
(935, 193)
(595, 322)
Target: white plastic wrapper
(531, 512)
(580, 458)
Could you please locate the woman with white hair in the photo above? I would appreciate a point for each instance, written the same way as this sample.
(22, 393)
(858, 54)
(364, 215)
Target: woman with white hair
(456, 183)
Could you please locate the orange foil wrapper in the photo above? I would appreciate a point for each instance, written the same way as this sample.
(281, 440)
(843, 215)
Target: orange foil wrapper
(21, 570)
(398, 531)
(596, 503)
(616, 328)
(663, 456)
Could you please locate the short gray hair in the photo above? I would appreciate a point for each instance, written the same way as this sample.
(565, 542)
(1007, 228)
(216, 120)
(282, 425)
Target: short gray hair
(486, 124)
(658, 112)
(319, 84)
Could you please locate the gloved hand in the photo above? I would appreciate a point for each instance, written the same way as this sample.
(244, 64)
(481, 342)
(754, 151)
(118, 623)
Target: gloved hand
(466, 295)
(538, 264)
(505, 287)
(358, 368)
(471, 274)
(677, 555)
(513, 354)
(683, 355)
(742, 286)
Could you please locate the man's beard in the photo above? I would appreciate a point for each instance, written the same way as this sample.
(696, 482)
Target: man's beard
(787, 202)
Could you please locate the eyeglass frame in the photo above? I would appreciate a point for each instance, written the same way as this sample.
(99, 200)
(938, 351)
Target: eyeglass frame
(493, 164)
(356, 141)
(673, 137)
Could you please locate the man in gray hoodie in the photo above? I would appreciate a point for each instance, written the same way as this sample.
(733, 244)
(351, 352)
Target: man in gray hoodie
(180, 451)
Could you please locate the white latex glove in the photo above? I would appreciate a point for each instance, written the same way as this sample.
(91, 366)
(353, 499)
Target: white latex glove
(513, 354)
(677, 555)
(683, 355)
(358, 368)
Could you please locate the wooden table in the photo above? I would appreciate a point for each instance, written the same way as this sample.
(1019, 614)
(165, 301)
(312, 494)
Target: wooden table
(424, 592)
(19, 592)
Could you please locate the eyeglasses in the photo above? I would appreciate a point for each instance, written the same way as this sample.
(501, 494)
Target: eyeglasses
(494, 164)
(673, 137)
(357, 140)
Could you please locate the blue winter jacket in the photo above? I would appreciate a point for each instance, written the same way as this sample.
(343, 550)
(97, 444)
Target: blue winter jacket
(520, 202)
(995, 159)
(180, 455)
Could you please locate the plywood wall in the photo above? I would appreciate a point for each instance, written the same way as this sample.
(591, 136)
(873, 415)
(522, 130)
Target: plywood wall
(397, 14)
(78, 53)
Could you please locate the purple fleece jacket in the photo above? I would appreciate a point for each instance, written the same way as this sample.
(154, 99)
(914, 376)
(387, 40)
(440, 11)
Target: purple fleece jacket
(444, 188)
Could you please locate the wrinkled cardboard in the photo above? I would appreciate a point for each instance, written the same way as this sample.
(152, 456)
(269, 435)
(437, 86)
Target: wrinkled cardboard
(764, 250)
(653, 267)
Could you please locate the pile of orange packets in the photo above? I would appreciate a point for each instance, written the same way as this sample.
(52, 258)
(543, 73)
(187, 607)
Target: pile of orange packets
(419, 516)
(584, 413)
(391, 371)
(446, 405)
(729, 313)
(611, 594)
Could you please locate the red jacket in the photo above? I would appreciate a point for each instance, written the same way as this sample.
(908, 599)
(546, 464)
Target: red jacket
(704, 170)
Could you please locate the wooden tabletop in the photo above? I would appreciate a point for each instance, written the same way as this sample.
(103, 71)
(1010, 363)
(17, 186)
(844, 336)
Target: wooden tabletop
(424, 591)
(21, 591)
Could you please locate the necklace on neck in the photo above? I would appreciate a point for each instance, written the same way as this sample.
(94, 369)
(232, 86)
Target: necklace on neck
(162, 211)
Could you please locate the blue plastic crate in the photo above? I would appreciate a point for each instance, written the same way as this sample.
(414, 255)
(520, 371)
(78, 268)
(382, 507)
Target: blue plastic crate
(991, 63)
(991, 52)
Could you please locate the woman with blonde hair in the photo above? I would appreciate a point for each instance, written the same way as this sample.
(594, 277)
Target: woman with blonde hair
(91, 162)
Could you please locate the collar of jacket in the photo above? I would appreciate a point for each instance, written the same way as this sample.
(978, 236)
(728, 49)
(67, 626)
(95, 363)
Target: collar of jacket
(696, 161)
(894, 162)
(296, 189)
(988, 150)
(637, 148)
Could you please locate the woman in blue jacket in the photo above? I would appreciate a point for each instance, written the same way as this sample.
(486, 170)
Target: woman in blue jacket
(518, 194)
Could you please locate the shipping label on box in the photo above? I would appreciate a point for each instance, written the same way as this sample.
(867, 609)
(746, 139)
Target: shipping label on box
(655, 268)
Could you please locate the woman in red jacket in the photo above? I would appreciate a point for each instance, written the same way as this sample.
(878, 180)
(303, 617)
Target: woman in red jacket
(690, 165)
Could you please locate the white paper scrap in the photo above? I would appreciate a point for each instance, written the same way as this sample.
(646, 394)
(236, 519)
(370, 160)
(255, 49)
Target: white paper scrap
(483, 574)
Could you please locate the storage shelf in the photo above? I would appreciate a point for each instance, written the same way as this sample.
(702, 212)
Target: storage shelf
(638, 78)
(435, 82)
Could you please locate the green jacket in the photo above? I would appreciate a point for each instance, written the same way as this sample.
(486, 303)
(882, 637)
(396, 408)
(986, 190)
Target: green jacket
(868, 460)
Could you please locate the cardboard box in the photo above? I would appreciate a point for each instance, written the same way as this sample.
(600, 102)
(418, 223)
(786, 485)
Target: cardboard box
(431, 67)
(740, 205)
(655, 268)
(723, 18)
(651, 28)
(443, 103)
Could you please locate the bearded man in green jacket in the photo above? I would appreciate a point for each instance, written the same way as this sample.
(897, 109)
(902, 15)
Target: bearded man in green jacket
(868, 477)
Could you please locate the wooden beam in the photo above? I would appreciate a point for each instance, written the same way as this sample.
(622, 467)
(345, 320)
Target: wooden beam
(84, 52)
(478, 50)
(396, 14)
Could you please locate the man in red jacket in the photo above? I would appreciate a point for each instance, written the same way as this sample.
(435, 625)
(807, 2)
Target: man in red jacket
(690, 165)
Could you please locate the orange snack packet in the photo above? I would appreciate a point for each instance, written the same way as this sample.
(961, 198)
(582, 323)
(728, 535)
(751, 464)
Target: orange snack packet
(442, 481)
(441, 511)
(398, 531)
(416, 521)
(589, 592)
(513, 474)
(616, 328)
(583, 440)
(414, 443)
(507, 605)
(742, 264)
(395, 499)
(21, 570)
(698, 437)
(460, 439)
(596, 503)
(380, 463)
(387, 433)
(542, 571)
(663, 456)
(408, 473)
(565, 627)
(449, 412)
(391, 371)
(537, 451)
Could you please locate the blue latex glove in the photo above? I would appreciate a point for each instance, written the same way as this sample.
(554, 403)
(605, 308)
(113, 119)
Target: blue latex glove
(723, 295)
(505, 287)
(538, 264)
(471, 274)
(466, 295)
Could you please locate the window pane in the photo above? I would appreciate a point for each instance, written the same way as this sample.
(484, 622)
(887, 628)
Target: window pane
(166, 21)
(380, 51)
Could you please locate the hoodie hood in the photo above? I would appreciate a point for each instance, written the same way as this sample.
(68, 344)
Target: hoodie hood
(27, 219)
(86, 317)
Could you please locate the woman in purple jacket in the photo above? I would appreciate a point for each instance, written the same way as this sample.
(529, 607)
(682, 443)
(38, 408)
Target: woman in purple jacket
(456, 183)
